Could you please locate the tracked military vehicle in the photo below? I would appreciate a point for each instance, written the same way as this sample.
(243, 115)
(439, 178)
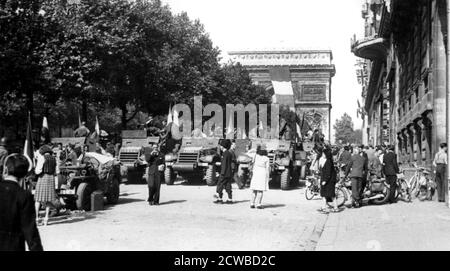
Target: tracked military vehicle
(198, 158)
(131, 155)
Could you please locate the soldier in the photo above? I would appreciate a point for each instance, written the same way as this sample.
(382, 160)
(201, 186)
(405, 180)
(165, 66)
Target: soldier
(82, 131)
(155, 162)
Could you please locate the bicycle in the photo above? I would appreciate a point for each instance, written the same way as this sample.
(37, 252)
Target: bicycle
(313, 190)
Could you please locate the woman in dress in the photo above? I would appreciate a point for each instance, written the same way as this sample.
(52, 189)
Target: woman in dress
(328, 181)
(260, 178)
(45, 188)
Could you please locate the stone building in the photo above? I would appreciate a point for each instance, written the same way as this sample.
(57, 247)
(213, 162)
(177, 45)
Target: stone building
(300, 79)
(405, 97)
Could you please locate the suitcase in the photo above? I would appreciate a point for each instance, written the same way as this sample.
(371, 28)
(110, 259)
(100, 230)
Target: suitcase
(97, 201)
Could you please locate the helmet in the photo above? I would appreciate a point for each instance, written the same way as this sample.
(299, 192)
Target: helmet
(3, 141)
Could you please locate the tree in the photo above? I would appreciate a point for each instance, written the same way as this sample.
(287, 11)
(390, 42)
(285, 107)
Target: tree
(343, 128)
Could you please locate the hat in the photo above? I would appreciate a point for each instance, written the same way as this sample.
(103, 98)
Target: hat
(3, 141)
(226, 144)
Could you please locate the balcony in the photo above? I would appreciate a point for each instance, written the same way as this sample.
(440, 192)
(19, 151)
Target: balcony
(371, 48)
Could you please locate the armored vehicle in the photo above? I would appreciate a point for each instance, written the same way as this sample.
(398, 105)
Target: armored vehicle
(95, 173)
(131, 154)
(198, 158)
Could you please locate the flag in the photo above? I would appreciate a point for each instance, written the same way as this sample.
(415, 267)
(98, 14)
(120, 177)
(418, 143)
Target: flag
(79, 119)
(45, 132)
(169, 116)
(299, 131)
(175, 118)
(28, 146)
(97, 126)
(230, 128)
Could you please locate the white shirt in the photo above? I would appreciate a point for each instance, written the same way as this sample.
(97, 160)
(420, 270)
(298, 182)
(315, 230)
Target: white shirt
(40, 163)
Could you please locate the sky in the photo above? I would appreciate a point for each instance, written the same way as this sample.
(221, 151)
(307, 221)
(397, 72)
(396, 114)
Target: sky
(304, 24)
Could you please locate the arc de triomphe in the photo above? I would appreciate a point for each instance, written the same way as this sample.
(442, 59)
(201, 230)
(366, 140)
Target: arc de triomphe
(300, 79)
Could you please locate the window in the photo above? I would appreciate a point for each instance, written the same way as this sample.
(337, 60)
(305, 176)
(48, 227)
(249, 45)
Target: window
(416, 92)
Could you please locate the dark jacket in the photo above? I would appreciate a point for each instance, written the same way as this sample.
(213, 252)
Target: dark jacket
(154, 160)
(357, 166)
(226, 170)
(17, 219)
(345, 158)
(390, 166)
(329, 176)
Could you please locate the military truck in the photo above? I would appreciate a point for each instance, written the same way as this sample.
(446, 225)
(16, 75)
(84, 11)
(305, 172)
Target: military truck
(198, 158)
(96, 172)
(131, 155)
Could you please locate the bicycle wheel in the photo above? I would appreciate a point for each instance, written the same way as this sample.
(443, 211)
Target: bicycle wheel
(309, 193)
(341, 198)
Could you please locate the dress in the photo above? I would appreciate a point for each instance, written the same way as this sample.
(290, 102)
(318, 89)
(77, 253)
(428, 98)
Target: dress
(260, 178)
(45, 187)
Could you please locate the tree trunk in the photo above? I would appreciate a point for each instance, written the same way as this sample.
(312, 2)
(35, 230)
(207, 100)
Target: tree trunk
(84, 111)
(30, 106)
(124, 116)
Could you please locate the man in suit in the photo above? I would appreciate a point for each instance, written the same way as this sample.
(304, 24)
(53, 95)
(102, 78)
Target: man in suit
(155, 160)
(356, 169)
(226, 174)
(17, 214)
(363, 152)
(390, 170)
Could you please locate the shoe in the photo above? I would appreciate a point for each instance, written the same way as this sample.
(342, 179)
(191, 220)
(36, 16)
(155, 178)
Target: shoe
(252, 206)
(156, 203)
(217, 199)
(229, 201)
(259, 207)
(150, 203)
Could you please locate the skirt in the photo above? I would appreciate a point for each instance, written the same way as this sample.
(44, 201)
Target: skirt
(45, 189)
(259, 181)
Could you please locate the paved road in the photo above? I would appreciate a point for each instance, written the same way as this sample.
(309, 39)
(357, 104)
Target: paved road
(402, 226)
(188, 220)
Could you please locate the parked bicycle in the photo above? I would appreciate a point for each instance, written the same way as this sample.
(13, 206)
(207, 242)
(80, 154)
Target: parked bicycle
(313, 190)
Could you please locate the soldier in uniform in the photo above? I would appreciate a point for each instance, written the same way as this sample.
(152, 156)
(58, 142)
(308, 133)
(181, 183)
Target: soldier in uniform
(155, 162)
(82, 131)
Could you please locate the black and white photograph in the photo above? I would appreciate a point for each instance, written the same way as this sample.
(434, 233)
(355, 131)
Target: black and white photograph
(202, 126)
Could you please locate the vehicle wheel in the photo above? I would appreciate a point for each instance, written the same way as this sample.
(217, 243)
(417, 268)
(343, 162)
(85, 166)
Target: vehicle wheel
(303, 172)
(284, 179)
(210, 176)
(309, 194)
(113, 195)
(384, 199)
(341, 198)
(84, 192)
(169, 176)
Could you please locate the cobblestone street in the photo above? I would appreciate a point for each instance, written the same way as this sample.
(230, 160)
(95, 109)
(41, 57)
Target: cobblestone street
(401, 226)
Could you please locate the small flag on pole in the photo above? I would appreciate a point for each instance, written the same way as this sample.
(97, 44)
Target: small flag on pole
(28, 146)
(79, 119)
(169, 116)
(97, 126)
(175, 118)
(45, 132)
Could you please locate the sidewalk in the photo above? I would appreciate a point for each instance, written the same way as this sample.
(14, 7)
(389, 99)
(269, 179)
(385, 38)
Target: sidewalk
(401, 226)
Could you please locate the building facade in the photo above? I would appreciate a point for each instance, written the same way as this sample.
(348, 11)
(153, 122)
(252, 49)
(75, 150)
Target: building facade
(300, 79)
(405, 96)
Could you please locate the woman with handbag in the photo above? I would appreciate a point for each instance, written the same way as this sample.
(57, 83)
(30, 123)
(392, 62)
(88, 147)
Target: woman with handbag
(260, 177)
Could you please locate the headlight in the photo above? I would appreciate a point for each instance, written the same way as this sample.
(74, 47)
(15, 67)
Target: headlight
(207, 158)
(83, 172)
